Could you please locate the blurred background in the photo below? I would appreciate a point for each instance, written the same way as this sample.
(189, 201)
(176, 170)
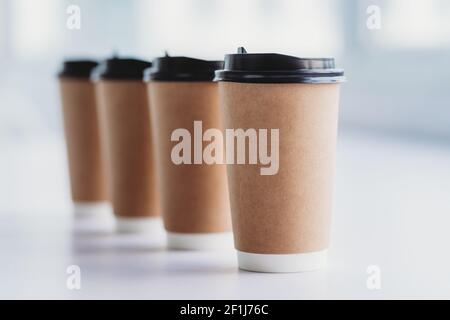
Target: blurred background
(393, 150)
(398, 74)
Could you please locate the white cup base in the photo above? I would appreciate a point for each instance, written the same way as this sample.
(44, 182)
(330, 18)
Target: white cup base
(89, 209)
(199, 241)
(282, 263)
(138, 225)
(92, 217)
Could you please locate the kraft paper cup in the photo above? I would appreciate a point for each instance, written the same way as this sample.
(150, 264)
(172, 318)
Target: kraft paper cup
(194, 197)
(281, 222)
(125, 126)
(86, 163)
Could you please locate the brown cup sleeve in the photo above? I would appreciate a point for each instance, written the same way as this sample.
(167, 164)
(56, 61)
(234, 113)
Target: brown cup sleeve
(125, 126)
(194, 197)
(288, 212)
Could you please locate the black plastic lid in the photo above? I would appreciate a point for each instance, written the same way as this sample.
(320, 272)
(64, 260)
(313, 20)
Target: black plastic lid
(121, 69)
(278, 68)
(182, 69)
(77, 68)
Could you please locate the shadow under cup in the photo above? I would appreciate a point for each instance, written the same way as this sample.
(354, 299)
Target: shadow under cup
(281, 221)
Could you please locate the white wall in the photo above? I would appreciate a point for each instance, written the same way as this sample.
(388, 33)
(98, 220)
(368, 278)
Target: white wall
(397, 76)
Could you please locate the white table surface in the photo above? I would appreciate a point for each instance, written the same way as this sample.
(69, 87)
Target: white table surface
(392, 209)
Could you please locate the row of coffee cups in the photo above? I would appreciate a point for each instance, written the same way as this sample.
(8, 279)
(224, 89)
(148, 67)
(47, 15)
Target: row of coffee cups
(189, 140)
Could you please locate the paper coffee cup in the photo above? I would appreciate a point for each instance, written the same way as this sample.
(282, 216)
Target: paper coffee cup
(125, 127)
(194, 197)
(86, 167)
(281, 220)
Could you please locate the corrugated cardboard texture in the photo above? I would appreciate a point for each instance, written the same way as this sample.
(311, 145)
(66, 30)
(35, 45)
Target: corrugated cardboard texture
(194, 197)
(87, 174)
(288, 212)
(125, 127)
